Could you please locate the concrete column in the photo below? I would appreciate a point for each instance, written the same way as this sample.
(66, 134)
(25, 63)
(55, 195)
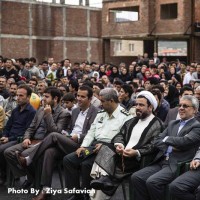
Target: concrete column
(0, 26)
(30, 30)
(88, 35)
(64, 33)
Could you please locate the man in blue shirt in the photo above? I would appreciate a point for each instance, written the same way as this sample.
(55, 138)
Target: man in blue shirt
(17, 124)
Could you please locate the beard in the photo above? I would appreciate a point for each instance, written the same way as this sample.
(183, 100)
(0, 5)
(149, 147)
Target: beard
(141, 115)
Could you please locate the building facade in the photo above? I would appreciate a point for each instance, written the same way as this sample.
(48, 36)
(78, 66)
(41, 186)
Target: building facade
(169, 27)
(118, 32)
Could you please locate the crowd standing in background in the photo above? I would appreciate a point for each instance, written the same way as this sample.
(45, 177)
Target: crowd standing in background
(86, 109)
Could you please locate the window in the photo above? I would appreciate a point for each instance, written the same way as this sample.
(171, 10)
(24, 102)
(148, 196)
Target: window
(128, 14)
(118, 46)
(126, 47)
(131, 47)
(172, 48)
(169, 11)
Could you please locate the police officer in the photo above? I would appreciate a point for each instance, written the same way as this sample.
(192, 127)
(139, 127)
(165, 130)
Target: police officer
(105, 126)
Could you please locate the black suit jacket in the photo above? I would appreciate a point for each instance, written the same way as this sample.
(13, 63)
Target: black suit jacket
(185, 143)
(92, 112)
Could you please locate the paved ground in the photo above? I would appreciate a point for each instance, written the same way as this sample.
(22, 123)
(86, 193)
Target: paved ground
(4, 195)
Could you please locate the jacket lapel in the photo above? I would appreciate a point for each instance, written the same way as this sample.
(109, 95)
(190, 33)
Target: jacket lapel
(175, 128)
(87, 119)
(187, 126)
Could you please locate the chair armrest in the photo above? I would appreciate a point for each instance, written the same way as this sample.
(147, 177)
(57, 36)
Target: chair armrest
(181, 167)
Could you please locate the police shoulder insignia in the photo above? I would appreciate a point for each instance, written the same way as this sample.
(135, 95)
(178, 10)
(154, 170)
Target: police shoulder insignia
(125, 112)
(101, 111)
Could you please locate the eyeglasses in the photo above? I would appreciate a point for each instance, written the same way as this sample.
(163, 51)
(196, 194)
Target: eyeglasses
(184, 106)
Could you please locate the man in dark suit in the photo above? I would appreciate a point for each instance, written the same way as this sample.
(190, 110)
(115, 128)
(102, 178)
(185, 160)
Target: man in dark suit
(173, 113)
(177, 143)
(51, 117)
(56, 146)
(187, 186)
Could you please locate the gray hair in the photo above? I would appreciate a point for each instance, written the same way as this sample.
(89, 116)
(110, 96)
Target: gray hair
(192, 99)
(108, 94)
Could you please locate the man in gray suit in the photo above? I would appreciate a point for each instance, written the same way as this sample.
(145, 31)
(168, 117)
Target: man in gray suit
(55, 146)
(187, 186)
(177, 143)
(173, 112)
(51, 117)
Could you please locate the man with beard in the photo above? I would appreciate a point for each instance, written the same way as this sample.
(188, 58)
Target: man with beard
(17, 124)
(50, 118)
(11, 102)
(177, 143)
(41, 86)
(133, 141)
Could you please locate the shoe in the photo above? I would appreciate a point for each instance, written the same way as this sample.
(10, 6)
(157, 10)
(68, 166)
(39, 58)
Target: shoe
(21, 159)
(111, 191)
(103, 183)
(41, 196)
(26, 184)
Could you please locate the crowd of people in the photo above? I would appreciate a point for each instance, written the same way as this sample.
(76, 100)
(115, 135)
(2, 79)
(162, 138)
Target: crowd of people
(100, 121)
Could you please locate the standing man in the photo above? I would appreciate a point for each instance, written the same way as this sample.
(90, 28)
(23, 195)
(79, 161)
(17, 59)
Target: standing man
(50, 118)
(105, 126)
(17, 124)
(177, 143)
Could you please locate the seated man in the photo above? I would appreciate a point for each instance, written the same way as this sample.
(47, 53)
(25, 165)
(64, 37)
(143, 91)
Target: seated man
(133, 142)
(17, 124)
(50, 118)
(177, 143)
(187, 186)
(173, 113)
(105, 126)
(55, 146)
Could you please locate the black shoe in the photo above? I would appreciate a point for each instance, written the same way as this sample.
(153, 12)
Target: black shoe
(103, 183)
(26, 184)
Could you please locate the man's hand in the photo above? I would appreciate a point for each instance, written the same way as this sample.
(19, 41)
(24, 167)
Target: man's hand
(97, 147)
(47, 109)
(75, 138)
(130, 153)
(4, 140)
(26, 143)
(79, 150)
(119, 149)
(194, 164)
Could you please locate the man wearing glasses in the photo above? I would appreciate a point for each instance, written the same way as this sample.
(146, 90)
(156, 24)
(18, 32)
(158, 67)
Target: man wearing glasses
(177, 143)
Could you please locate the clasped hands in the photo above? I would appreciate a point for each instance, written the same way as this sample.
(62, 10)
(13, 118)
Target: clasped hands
(126, 152)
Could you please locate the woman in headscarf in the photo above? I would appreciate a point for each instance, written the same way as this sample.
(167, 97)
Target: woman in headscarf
(173, 96)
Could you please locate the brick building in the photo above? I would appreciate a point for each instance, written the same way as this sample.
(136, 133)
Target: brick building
(29, 28)
(169, 27)
(119, 31)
